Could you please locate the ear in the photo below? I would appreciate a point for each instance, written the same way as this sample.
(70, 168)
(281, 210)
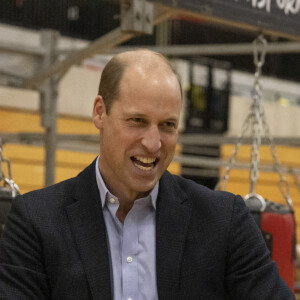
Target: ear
(99, 112)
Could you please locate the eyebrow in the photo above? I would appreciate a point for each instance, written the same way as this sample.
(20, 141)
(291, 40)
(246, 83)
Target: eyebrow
(135, 113)
(141, 115)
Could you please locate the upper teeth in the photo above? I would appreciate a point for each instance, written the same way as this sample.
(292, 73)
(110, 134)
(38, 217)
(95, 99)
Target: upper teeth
(145, 160)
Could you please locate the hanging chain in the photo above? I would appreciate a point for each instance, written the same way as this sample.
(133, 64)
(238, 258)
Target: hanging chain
(7, 180)
(283, 183)
(224, 179)
(256, 142)
(257, 119)
(253, 118)
(259, 59)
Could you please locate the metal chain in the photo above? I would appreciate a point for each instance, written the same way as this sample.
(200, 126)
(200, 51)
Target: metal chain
(259, 46)
(253, 118)
(256, 142)
(257, 119)
(283, 183)
(7, 180)
(224, 179)
(259, 59)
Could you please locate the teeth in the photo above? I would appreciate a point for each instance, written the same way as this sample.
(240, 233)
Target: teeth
(145, 160)
(143, 168)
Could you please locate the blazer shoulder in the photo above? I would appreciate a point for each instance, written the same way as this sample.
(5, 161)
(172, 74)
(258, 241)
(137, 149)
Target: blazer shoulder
(197, 191)
(204, 202)
(62, 192)
(59, 189)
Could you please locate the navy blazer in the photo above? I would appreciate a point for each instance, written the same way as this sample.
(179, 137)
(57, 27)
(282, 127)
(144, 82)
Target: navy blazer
(207, 245)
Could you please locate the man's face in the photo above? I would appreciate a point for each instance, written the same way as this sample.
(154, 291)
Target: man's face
(138, 137)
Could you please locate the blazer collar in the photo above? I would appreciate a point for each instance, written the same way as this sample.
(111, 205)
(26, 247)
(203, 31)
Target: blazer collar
(88, 228)
(172, 219)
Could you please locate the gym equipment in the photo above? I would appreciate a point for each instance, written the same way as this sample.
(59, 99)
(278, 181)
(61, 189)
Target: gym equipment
(276, 221)
(8, 190)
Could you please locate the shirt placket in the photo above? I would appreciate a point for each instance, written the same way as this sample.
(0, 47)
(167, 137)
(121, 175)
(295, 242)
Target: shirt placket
(129, 257)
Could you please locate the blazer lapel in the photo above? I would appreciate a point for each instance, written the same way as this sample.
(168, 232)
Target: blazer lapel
(172, 218)
(88, 228)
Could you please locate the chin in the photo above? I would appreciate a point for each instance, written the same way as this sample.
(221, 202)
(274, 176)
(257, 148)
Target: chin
(143, 185)
(145, 188)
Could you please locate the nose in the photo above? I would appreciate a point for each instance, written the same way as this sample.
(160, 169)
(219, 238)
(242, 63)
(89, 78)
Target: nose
(152, 139)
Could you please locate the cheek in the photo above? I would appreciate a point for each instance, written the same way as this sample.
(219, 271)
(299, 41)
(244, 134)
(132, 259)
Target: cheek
(132, 135)
(169, 143)
(127, 140)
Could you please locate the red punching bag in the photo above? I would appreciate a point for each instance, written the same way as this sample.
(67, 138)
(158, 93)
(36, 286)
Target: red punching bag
(277, 224)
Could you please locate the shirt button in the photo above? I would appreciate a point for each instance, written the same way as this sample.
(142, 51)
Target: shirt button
(129, 259)
(112, 200)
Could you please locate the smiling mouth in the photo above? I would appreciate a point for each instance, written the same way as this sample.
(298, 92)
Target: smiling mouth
(144, 163)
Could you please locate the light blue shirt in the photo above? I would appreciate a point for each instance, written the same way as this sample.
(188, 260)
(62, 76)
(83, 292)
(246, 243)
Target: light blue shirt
(131, 245)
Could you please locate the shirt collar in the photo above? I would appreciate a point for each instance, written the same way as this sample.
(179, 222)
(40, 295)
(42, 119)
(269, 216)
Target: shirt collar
(103, 190)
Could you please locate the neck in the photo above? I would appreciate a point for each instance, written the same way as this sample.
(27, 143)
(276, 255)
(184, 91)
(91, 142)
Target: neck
(125, 206)
(123, 210)
(125, 196)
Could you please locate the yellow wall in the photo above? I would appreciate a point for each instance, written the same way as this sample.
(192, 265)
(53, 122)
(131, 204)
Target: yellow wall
(267, 184)
(27, 162)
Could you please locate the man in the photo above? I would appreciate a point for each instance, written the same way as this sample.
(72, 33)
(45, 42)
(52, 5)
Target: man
(125, 228)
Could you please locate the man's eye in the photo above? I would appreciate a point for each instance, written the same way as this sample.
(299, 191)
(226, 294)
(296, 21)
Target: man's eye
(137, 120)
(169, 125)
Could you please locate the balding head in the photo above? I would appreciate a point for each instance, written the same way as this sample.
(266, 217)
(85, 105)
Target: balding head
(143, 62)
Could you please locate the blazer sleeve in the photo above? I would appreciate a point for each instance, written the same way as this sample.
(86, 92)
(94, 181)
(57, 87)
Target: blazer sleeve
(251, 274)
(22, 274)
